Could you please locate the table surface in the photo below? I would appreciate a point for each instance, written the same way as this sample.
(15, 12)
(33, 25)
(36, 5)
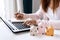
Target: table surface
(7, 34)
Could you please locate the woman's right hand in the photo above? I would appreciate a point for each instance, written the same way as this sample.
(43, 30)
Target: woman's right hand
(19, 16)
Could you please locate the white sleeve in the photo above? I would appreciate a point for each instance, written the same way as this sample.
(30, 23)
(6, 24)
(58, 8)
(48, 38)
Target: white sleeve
(39, 10)
(55, 24)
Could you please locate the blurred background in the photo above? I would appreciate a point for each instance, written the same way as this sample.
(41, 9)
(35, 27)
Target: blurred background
(9, 7)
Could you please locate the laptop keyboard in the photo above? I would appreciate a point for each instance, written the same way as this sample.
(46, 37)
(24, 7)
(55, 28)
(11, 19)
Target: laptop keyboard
(20, 25)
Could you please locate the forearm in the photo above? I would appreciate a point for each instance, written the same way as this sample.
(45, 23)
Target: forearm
(33, 16)
(37, 15)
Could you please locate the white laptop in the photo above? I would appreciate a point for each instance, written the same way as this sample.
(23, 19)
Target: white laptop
(16, 26)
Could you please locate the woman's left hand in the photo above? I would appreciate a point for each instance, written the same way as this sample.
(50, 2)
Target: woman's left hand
(30, 22)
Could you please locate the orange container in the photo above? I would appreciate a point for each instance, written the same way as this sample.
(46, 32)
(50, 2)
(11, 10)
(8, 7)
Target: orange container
(49, 31)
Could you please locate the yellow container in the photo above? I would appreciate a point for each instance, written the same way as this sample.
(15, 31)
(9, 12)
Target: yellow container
(49, 31)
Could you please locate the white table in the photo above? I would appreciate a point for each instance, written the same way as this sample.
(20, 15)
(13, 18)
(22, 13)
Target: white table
(6, 34)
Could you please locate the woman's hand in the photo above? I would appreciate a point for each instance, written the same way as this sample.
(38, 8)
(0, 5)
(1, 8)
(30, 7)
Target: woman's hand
(30, 22)
(19, 16)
